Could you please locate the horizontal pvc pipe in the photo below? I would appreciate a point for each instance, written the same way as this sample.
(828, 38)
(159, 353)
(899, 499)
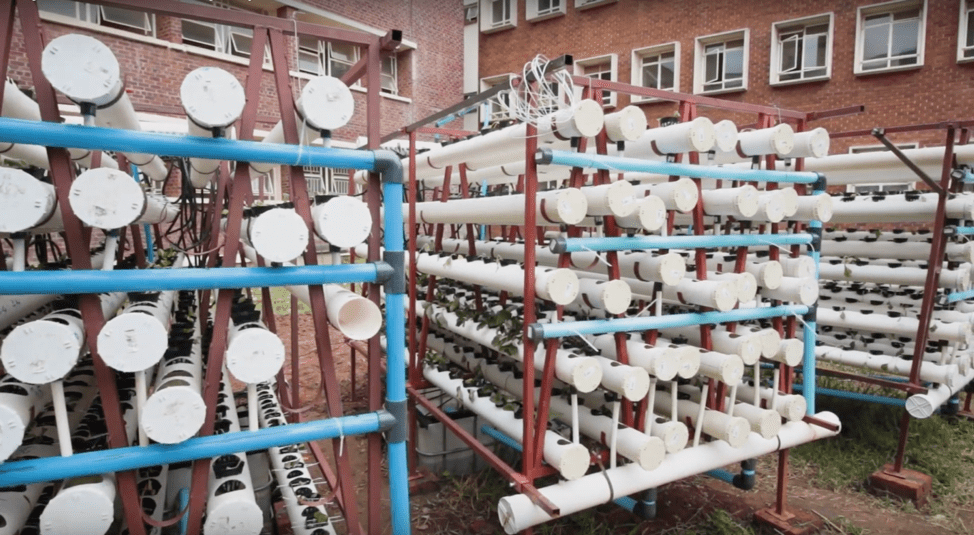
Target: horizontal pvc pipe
(691, 136)
(132, 458)
(790, 406)
(342, 221)
(925, 405)
(953, 279)
(730, 429)
(593, 161)
(811, 144)
(98, 138)
(929, 372)
(745, 345)
(19, 402)
(561, 330)
(567, 206)
(884, 167)
(660, 361)
(956, 252)
(573, 245)
(764, 422)
(81, 282)
(717, 294)
(902, 208)
(681, 195)
(627, 124)
(857, 396)
(904, 326)
(518, 512)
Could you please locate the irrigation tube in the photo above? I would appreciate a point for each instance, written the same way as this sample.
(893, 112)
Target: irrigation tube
(98, 138)
(518, 512)
(148, 280)
(541, 331)
(594, 161)
(575, 245)
(134, 457)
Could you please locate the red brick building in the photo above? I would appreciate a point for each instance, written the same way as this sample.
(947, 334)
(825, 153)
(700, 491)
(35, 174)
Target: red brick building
(907, 61)
(156, 52)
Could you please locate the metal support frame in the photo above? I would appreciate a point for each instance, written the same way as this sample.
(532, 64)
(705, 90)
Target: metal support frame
(237, 190)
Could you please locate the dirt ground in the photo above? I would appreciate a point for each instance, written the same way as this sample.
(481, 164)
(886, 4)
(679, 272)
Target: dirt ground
(449, 506)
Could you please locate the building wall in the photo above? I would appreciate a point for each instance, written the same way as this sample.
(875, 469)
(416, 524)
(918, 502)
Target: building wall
(940, 90)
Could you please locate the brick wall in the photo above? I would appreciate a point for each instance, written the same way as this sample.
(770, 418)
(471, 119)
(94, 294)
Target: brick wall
(940, 90)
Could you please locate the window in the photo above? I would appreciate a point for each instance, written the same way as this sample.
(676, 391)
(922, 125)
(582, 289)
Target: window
(890, 36)
(319, 58)
(496, 15)
(965, 40)
(325, 181)
(262, 186)
(390, 84)
(231, 40)
(866, 189)
(602, 68)
(721, 63)
(112, 17)
(495, 109)
(585, 4)
(801, 50)
(538, 10)
(657, 67)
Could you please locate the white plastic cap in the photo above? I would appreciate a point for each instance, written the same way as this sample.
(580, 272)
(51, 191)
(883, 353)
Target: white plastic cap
(40, 352)
(132, 342)
(326, 103)
(173, 414)
(212, 97)
(255, 355)
(25, 202)
(82, 68)
(107, 198)
(343, 221)
(279, 235)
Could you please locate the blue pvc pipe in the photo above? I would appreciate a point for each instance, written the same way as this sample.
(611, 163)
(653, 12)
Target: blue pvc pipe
(954, 297)
(132, 458)
(98, 138)
(842, 394)
(147, 228)
(501, 437)
(625, 243)
(572, 328)
(615, 163)
(964, 230)
(141, 280)
(393, 241)
(626, 502)
(722, 475)
(183, 499)
(808, 365)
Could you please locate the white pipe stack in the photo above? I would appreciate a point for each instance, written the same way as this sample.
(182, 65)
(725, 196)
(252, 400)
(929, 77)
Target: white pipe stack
(213, 100)
(953, 279)
(661, 362)
(293, 477)
(716, 294)
(777, 141)
(584, 373)
(745, 345)
(733, 430)
(565, 206)
(764, 422)
(680, 195)
(903, 326)
(518, 512)
(325, 104)
(17, 105)
(231, 508)
(884, 167)
(98, 84)
(899, 208)
(570, 459)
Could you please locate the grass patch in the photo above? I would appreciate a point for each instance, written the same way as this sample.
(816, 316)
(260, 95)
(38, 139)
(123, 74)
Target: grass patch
(939, 446)
(280, 300)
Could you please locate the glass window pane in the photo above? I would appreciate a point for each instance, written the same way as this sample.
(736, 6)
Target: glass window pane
(734, 66)
(199, 34)
(970, 28)
(666, 75)
(815, 50)
(125, 17)
(789, 54)
(499, 11)
(60, 7)
(905, 35)
(737, 43)
(241, 42)
(908, 14)
(874, 20)
(713, 67)
(818, 28)
(308, 63)
(344, 52)
(875, 42)
(308, 43)
(650, 78)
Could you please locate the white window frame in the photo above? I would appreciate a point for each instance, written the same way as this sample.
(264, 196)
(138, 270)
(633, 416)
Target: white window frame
(640, 54)
(966, 9)
(487, 22)
(776, 47)
(889, 7)
(700, 60)
(588, 4)
(495, 111)
(96, 15)
(612, 60)
(862, 149)
(324, 57)
(534, 13)
(393, 75)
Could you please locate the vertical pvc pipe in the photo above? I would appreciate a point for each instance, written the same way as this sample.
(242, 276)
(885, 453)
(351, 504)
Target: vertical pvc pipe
(809, 328)
(396, 362)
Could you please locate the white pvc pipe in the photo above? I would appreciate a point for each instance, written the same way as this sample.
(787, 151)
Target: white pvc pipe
(745, 283)
(745, 345)
(254, 354)
(326, 103)
(570, 459)
(138, 337)
(741, 202)
(613, 296)
(293, 477)
(25, 201)
(19, 402)
(627, 124)
(278, 235)
(925, 405)
(353, 315)
(884, 167)
(791, 407)
(693, 136)
(725, 133)
(902, 208)
(954, 279)
(584, 373)
(100, 84)
(567, 206)
(730, 429)
(764, 422)
(720, 295)
(342, 221)
(175, 411)
(518, 512)
(811, 144)
(213, 100)
(231, 508)
(929, 372)
(617, 199)
(721, 367)
(903, 326)
(814, 208)
(681, 195)
(794, 290)
(661, 362)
